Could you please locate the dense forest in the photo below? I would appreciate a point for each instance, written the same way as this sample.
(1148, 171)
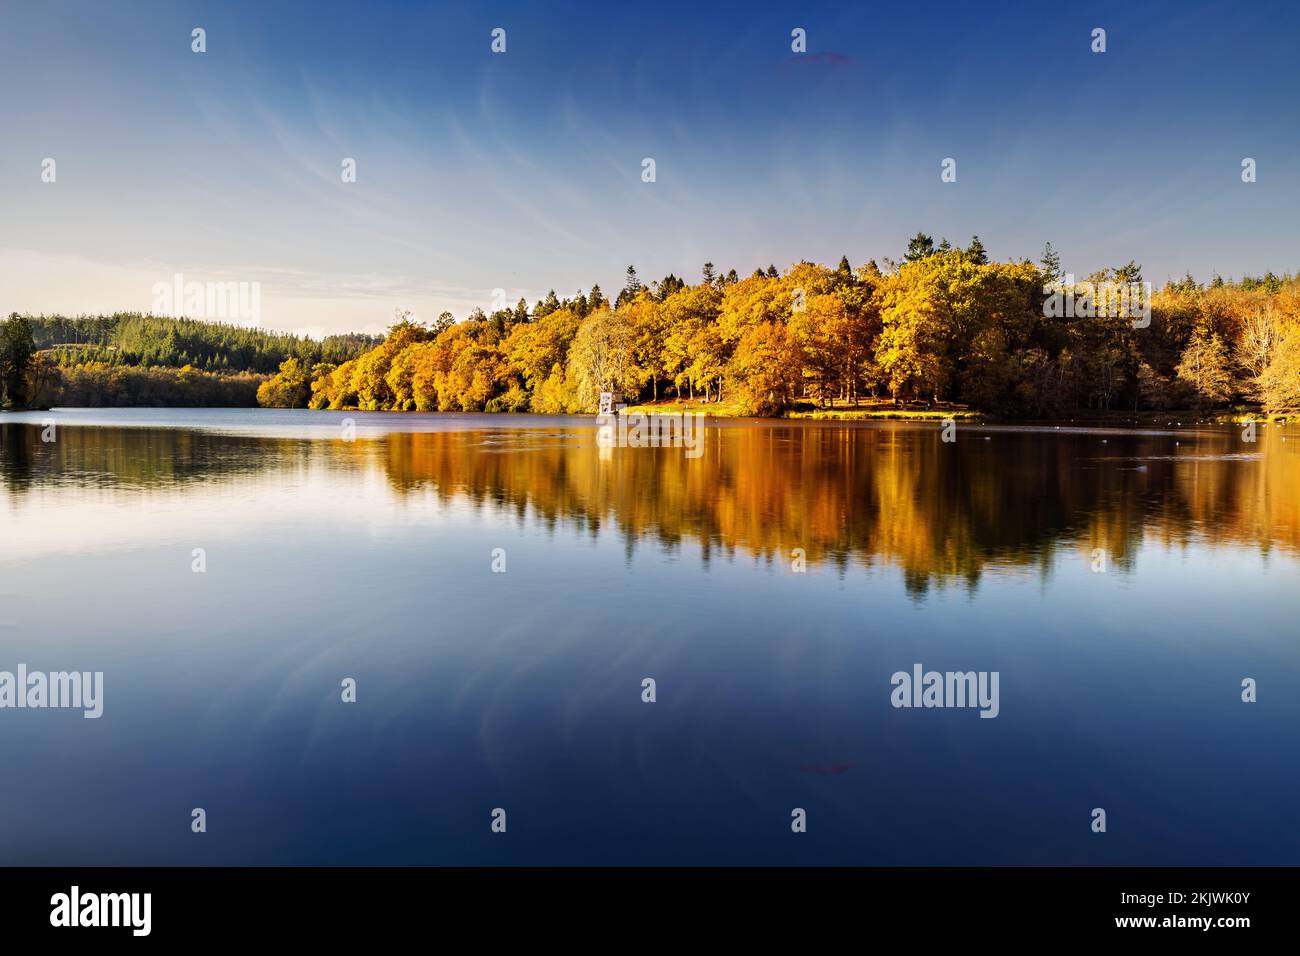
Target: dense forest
(131, 359)
(944, 327)
(133, 339)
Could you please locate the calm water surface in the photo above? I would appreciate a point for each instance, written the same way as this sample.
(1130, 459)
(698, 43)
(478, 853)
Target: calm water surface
(372, 559)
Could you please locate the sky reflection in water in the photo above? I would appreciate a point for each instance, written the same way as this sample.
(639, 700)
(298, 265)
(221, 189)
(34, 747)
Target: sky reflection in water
(372, 559)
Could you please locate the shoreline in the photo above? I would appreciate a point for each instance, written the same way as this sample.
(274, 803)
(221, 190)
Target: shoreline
(1179, 417)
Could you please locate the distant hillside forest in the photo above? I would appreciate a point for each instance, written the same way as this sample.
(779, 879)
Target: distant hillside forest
(944, 326)
(129, 359)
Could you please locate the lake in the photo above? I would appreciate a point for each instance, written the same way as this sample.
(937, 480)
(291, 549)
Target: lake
(499, 587)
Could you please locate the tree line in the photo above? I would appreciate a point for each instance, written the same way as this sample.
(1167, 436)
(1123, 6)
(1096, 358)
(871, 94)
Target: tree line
(130, 359)
(147, 340)
(945, 325)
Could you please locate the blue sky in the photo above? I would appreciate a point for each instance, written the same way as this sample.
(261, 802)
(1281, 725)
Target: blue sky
(522, 170)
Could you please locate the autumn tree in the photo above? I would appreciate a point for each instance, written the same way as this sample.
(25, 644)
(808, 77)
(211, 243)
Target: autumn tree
(290, 387)
(686, 315)
(1279, 385)
(370, 372)
(912, 350)
(765, 368)
(1258, 340)
(1206, 369)
(601, 357)
(539, 350)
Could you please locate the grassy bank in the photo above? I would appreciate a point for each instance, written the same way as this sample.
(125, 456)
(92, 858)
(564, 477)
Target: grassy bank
(885, 410)
(862, 411)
